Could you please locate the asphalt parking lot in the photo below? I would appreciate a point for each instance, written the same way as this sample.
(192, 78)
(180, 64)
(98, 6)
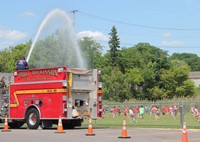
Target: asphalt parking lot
(105, 135)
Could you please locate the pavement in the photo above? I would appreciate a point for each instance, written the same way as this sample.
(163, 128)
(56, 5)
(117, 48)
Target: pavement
(101, 135)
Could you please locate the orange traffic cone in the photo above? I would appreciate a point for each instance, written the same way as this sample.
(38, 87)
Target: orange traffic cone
(6, 126)
(184, 134)
(60, 127)
(124, 131)
(90, 130)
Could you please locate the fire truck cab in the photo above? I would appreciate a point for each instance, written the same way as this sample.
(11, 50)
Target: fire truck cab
(38, 97)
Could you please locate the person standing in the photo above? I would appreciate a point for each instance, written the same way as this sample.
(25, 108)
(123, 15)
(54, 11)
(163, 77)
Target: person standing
(131, 115)
(74, 113)
(141, 112)
(125, 111)
(119, 111)
(22, 64)
(114, 111)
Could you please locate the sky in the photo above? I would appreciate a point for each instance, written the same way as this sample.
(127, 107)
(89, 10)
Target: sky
(172, 25)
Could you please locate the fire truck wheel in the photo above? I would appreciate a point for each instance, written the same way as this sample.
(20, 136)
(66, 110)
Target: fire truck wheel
(32, 118)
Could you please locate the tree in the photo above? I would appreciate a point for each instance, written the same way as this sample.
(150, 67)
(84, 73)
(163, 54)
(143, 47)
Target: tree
(115, 87)
(138, 72)
(91, 50)
(175, 83)
(142, 66)
(10, 56)
(191, 59)
(133, 81)
(114, 44)
(5, 57)
(129, 58)
(177, 62)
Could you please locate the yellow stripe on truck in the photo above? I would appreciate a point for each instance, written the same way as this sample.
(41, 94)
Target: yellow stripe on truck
(85, 113)
(27, 92)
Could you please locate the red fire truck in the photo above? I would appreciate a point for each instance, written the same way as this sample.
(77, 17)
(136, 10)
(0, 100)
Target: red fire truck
(38, 97)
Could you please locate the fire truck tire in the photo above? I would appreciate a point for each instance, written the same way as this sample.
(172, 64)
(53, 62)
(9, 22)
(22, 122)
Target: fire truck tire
(15, 124)
(32, 118)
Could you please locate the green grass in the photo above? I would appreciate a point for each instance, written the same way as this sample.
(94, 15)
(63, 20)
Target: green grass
(197, 91)
(165, 121)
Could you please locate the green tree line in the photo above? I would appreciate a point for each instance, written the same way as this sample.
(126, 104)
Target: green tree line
(141, 71)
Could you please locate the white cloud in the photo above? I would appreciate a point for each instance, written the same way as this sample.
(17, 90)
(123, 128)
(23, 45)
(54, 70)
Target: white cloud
(167, 35)
(7, 34)
(27, 14)
(172, 43)
(95, 35)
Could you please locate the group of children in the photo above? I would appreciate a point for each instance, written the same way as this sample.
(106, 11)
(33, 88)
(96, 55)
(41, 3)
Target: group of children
(129, 112)
(138, 111)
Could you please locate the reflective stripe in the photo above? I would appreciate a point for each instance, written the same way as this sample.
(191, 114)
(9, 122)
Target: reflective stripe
(44, 91)
(86, 113)
(124, 127)
(99, 91)
(70, 85)
(90, 126)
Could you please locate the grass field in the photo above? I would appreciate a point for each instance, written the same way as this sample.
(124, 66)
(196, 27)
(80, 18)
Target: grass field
(165, 121)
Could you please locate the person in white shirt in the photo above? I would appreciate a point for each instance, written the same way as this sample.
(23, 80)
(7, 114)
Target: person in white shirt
(74, 113)
(131, 115)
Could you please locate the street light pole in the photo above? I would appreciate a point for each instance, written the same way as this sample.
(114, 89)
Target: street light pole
(74, 13)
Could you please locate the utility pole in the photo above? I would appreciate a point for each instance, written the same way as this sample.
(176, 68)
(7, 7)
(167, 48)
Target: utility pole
(74, 13)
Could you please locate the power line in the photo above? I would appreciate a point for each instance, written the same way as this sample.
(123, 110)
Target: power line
(145, 26)
(138, 25)
(136, 34)
(159, 46)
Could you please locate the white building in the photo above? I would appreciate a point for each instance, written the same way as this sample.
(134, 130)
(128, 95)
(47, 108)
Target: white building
(195, 76)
